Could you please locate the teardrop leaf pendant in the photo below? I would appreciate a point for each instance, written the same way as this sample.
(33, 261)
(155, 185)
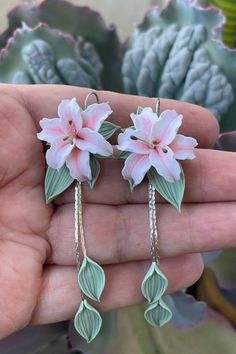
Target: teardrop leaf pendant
(158, 313)
(91, 279)
(87, 321)
(154, 284)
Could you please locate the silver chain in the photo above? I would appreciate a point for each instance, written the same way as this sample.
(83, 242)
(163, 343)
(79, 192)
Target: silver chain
(153, 223)
(79, 229)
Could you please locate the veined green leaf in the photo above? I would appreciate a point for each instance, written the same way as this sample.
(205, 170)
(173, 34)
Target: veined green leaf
(154, 284)
(95, 170)
(108, 129)
(124, 154)
(139, 110)
(56, 182)
(131, 185)
(171, 191)
(91, 279)
(87, 321)
(158, 313)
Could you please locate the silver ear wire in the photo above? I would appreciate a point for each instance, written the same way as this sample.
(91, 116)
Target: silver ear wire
(88, 97)
(158, 106)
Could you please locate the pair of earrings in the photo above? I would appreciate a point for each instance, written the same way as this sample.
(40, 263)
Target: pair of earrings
(151, 146)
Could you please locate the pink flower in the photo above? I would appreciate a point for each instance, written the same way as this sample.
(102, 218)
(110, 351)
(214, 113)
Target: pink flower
(74, 135)
(155, 143)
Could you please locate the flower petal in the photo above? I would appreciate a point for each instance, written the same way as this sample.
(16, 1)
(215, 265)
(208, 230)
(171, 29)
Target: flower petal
(136, 166)
(165, 164)
(95, 114)
(58, 152)
(165, 129)
(69, 112)
(183, 147)
(93, 142)
(145, 120)
(51, 129)
(126, 143)
(78, 164)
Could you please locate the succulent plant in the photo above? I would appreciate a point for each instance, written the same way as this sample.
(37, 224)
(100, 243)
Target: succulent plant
(217, 284)
(45, 56)
(229, 30)
(176, 53)
(229, 9)
(214, 335)
(40, 46)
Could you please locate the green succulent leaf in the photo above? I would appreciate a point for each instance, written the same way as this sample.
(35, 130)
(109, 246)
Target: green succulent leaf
(97, 46)
(173, 192)
(223, 270)
(21, 77)
(174, 54)
(78, 73)
(87, 321)
(186, 311)
(108, 129)
(95, 170)
(158, 313)
(39, 61)
(154, 284)
(91, 279)
(56, 182)
(41, 55)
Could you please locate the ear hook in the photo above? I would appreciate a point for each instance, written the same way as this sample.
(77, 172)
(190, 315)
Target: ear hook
(88, 97)
(158, 105)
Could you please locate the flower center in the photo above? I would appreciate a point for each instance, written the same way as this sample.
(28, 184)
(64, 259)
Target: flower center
(156, 145)
(69, 139)
(72, 129)
(153, 145)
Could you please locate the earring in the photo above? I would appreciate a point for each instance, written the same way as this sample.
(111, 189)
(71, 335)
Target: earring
(152, 146)
(77, 138)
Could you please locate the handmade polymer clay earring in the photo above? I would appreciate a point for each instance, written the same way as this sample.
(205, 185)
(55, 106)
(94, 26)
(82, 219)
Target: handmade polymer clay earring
(77, 139)
(152, 146)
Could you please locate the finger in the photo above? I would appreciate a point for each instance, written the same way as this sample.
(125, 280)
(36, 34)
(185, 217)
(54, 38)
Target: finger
(123, 283)
(121, 234)
(204, 182)
(197, 122)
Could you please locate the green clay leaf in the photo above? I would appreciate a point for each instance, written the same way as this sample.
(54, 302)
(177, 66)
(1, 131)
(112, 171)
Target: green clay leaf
(154, 284)
(158, 313)
(87, 321)
(139, 110)
(131, 185)
(95, 170)
(108, 129)
(173, 192)
(56, 182)
(124, 154)
(91, 279)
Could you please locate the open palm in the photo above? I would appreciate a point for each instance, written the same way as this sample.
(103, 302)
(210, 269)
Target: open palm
(37, 260)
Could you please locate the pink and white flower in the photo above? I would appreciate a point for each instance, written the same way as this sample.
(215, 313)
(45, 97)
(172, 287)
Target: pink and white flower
(74, 135)
(155, 143)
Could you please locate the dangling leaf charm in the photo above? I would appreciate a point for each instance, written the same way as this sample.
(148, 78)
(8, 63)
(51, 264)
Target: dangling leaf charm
(56, 182)
(87, 321)
(158, 313)
(91, 279)
(154, 284)
(173, 192)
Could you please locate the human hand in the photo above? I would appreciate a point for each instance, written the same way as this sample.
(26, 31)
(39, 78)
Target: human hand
(37, 273)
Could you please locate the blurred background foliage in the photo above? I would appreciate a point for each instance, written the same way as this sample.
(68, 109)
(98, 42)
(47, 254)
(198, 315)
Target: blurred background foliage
(174, 56)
